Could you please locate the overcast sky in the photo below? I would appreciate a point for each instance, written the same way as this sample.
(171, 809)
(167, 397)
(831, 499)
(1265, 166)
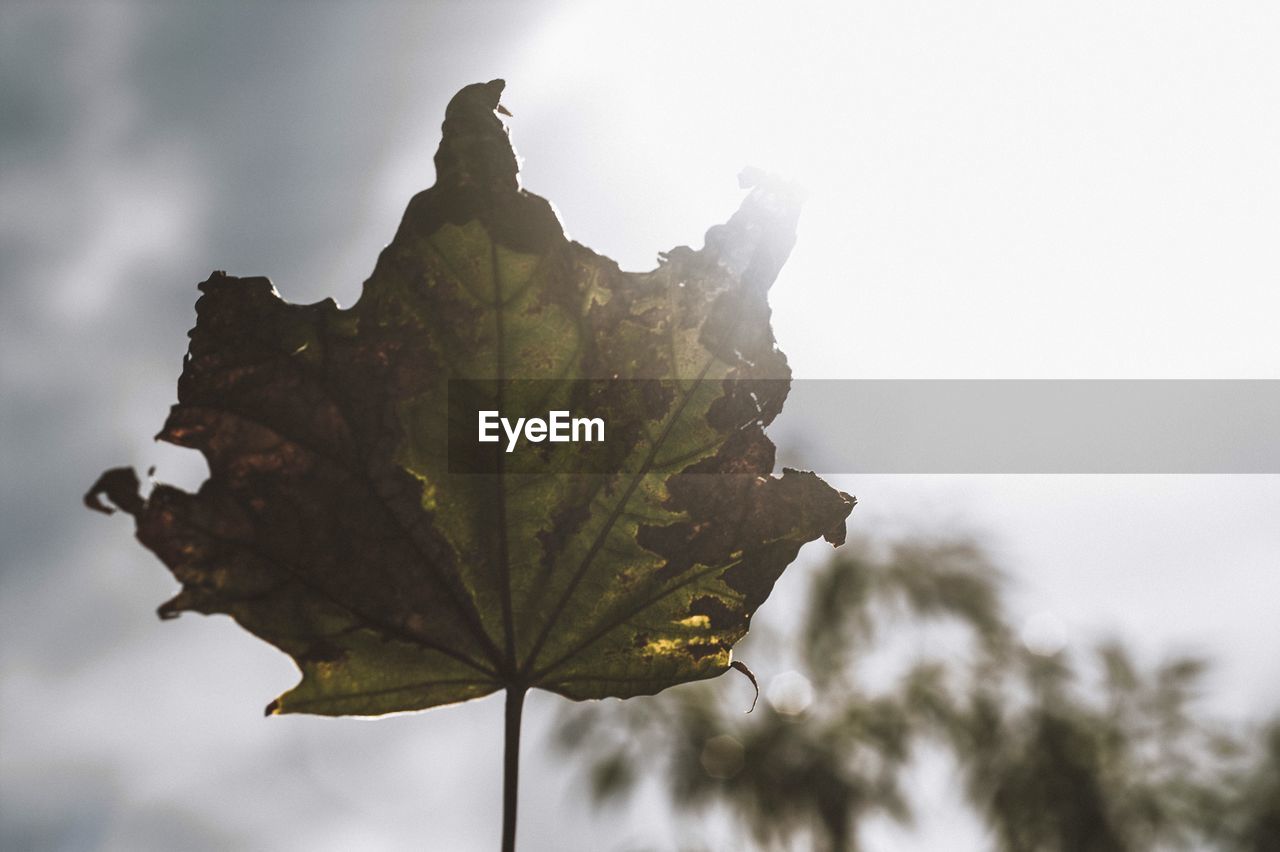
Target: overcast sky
(996, 190)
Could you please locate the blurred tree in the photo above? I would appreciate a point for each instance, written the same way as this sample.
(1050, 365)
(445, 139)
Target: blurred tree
(1250, 816)
(909, 646)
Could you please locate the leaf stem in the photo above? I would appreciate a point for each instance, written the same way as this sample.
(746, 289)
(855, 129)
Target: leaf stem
(511, 766)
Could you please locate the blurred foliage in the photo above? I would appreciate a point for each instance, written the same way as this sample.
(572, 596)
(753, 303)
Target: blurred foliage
(909, 647)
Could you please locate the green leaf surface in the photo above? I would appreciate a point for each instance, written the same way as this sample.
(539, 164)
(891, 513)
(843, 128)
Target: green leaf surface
(333, 526)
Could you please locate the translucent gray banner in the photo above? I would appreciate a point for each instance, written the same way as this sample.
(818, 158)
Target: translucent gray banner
(1031, 426)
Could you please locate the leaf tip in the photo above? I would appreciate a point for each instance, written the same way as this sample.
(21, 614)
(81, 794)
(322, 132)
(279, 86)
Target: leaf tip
(837, 534)
(742, 667)
(120, 485)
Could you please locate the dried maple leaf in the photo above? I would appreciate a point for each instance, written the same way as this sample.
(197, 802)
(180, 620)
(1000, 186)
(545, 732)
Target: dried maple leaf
(334, 526)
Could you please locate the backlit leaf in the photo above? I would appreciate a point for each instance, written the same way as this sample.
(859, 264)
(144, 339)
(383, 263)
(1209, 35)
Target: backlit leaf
(337, 525)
